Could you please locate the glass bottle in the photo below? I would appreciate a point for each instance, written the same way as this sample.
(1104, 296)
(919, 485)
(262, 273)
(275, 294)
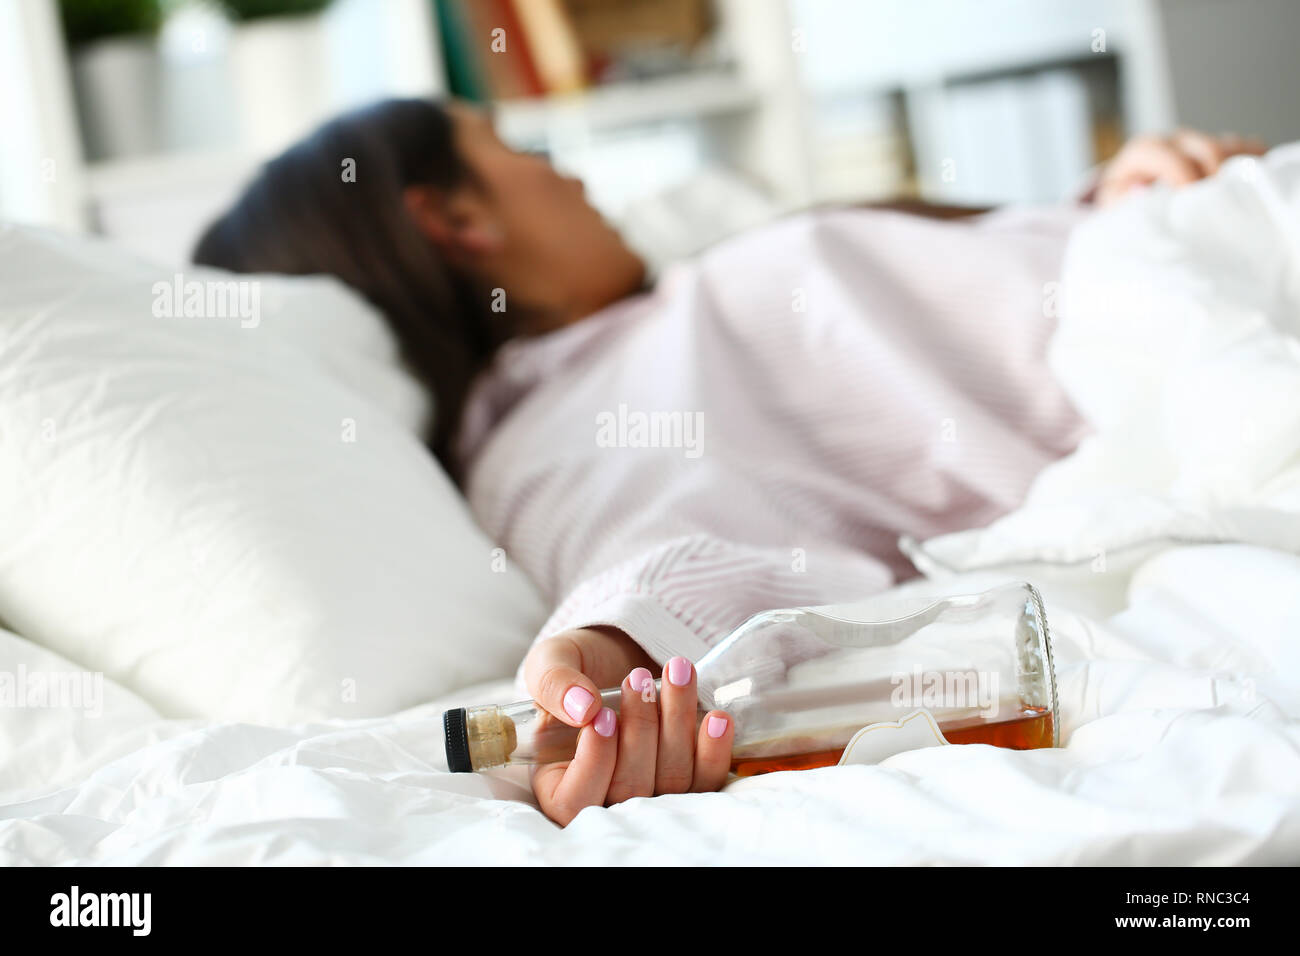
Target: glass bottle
(811, 687)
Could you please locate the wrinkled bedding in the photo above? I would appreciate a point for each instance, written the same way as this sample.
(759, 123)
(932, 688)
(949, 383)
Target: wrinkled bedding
(1172, 755)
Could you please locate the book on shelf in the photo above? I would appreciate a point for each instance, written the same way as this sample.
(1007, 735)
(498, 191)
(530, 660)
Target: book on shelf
(640, 39)
(512, 72)
(465, 74)
(509, 49)
(1022, 138)
(512, 49)
(553, 43)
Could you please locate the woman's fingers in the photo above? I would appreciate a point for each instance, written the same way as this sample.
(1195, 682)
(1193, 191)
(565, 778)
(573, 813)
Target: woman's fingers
(1206, 152)
(1230, 144)
(675, 768)
(654, 746)
(1185, 157)
(1211, 152)
(638, 739)
(1162, 161)
(553, 671)
(1246, 147)
(565, 789)
(565, 673)
(713, 751)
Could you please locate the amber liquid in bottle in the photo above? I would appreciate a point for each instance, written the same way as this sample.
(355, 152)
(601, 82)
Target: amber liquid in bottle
(1028, 730)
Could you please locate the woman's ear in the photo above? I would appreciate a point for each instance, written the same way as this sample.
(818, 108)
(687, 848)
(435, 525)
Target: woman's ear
(458, 223)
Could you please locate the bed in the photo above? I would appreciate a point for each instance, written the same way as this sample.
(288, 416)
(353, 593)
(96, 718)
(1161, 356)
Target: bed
(207, 607)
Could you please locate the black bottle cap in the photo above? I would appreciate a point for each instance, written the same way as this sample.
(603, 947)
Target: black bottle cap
(457, 733)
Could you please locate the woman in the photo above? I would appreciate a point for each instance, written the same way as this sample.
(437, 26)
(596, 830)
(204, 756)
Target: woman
(756, 431)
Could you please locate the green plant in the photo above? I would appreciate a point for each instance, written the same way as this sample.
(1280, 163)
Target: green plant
(257, 9)
(86, 20)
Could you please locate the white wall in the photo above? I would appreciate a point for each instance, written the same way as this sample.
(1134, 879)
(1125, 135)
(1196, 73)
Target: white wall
(1235, 65)
(877, 43)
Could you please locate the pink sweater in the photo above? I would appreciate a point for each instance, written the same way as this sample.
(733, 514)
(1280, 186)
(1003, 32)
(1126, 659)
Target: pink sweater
(759, 430)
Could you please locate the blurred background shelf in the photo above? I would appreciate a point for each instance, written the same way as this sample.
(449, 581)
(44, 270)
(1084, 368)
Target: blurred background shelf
(686, 117)
(623, 104)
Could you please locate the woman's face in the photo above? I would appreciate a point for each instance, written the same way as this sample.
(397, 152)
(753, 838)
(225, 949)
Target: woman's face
(533, 233)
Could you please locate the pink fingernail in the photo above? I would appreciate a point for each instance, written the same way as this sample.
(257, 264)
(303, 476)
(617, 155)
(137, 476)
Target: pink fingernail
(679, 672)
(637, 679)
(576, 702)
(605, 723)
(717, 726)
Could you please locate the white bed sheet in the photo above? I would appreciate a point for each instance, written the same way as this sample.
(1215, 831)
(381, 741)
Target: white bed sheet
(1172, 755)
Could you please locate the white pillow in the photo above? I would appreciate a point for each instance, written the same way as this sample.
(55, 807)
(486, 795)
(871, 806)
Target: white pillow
(232, 516)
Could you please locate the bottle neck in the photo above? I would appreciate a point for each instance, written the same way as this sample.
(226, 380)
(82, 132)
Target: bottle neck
(522, 733)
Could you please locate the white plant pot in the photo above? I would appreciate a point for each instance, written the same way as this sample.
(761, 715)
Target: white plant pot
(281, 76)
(117, 86)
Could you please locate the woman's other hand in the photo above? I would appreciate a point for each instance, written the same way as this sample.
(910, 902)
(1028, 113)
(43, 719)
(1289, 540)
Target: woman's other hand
(651, 747)
(1182, 158)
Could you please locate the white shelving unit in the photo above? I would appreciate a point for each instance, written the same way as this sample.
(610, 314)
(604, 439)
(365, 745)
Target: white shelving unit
(41, 169)
(156, 204)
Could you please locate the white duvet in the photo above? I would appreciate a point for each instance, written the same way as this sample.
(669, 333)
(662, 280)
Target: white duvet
(1167, 547)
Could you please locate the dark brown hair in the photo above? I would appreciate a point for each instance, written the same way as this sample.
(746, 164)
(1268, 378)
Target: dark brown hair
(302, 216)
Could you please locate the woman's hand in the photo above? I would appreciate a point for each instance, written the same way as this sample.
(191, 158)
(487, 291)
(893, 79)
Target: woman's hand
(1179, 159)
(651, 747)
